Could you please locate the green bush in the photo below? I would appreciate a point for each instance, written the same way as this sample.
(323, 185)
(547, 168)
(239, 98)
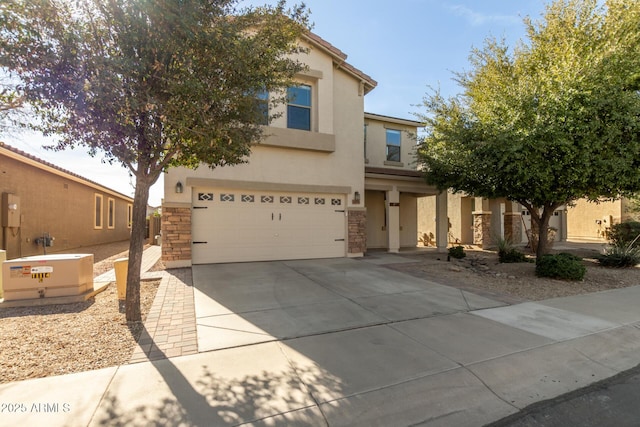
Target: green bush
(623, 234)
(561, 266)
(511, 255)
(457, 252)
(507, 253)
(620, 256)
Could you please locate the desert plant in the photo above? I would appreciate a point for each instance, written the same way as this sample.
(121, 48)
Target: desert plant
(560, 266)
(621, 256)
(457, 252)
(621, 235)
(512, 255)
(507, 253)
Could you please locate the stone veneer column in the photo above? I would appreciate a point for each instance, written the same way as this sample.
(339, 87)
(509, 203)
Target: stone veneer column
(176, 235)
(482, 229)
(357, 229)
(513, 227)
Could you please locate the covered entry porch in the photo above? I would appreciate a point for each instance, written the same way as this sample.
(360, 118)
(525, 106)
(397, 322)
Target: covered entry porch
(391, 200)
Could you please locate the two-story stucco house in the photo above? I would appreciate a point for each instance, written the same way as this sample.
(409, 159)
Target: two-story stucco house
(306, 189)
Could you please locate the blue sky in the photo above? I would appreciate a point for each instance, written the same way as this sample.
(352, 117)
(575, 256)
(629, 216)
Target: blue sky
(405, 45)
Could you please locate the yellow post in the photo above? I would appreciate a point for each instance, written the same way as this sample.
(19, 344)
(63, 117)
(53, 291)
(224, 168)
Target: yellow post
(120, 265)
(3, 258)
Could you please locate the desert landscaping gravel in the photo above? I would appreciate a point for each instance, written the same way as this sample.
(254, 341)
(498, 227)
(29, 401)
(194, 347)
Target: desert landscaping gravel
(51, 340)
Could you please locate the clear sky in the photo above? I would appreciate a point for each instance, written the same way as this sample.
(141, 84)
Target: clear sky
(405, 45)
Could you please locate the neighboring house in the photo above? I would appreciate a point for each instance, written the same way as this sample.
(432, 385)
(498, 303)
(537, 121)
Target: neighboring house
(304, 191)
(40, 199)
(474, 220)
(590, 221)
(480, 221)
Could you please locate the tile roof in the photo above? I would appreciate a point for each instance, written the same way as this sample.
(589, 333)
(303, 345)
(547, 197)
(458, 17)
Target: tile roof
(62, 171)
(340, 59)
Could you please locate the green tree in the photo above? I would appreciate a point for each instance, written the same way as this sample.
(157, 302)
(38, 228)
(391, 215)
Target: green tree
(553, 120)
(151, 83)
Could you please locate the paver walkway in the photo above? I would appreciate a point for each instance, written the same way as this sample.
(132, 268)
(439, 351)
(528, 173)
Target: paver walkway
(170, 326)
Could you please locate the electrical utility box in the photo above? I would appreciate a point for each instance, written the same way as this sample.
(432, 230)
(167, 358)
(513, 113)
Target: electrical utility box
(10, 210)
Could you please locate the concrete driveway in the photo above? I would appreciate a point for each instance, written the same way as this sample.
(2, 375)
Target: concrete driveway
(240, 304)
(350, 342)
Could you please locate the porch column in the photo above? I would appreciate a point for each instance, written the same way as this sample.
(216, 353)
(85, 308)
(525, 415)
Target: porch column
(482, 223)
(442, 222)
(393, 220)
(513, 223)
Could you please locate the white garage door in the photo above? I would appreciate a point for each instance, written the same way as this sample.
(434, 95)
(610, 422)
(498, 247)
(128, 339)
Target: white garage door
(241, 225)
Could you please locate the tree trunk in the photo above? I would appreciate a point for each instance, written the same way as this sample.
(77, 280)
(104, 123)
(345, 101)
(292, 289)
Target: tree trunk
(136, 246)
(543, 233)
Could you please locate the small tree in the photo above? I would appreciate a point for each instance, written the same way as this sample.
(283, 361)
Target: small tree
(151, 83)
(549, 122)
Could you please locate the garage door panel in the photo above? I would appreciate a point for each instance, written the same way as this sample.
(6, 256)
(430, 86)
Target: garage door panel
(236, 225)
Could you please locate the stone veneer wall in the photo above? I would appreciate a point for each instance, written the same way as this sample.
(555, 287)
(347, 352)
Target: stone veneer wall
(482, 229)
(176, 234)
(513, 227)
(357, 226)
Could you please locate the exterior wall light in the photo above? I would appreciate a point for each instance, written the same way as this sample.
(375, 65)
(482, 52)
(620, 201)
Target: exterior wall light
(179, 187)
(356, 197)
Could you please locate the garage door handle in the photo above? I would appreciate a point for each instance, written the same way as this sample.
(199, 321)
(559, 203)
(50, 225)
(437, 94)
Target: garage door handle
(339, 240)
(199, 243)
(200, 207)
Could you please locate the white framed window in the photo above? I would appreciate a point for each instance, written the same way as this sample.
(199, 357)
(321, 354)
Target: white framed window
(299, 107)
(394, 140)
(129, 215)
(97, 211)
(111, 213)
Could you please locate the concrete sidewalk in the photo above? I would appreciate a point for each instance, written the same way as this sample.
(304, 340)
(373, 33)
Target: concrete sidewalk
(462, 363)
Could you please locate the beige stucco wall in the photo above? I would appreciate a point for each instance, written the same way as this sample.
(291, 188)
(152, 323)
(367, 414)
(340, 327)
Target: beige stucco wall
(459, 213)
(376, 229)
(408, 220)
(338, 108)
(376, 144)
(589, 221)
(59, 204)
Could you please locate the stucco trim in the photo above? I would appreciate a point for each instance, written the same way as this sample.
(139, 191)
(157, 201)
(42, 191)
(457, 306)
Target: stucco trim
(176, 205)
(299, 139)
(391, 163)
(178, 264)
(267, 186)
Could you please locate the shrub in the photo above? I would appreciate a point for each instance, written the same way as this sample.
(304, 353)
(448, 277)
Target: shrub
(511, 255)
(507, 253)
(620, 256)
(623, 234)
(561, 266)
(457, 252)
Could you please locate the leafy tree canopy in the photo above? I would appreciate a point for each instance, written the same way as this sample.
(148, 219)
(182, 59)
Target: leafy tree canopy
(150, 83)
(554, 119)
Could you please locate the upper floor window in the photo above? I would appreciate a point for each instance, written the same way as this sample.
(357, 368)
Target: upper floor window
(393, 145)
(263, 107)
(299, 107)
